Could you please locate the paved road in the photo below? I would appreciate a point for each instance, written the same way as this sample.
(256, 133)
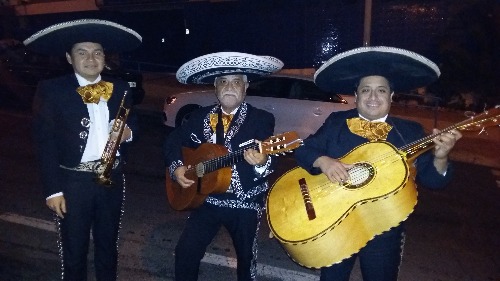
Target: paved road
(452, 235)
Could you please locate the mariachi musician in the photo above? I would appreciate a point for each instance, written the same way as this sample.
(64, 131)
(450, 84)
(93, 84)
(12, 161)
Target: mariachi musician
(231, 123)
(80, 119)
(373, 74)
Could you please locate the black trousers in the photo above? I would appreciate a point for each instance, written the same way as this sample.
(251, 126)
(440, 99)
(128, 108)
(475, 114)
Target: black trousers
(202, 226)
(379, 259)
(90, 206)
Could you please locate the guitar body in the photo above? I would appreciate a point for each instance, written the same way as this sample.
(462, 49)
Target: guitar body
(211, 168)
(381, 195)
(214, 182)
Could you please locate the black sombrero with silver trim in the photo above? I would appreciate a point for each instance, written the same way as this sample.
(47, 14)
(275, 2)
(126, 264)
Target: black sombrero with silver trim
(204, 69)
(404, 69)
(59, 38)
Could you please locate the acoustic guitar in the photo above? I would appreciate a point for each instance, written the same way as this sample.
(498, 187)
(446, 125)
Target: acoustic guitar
(320, 223)
(210, 168)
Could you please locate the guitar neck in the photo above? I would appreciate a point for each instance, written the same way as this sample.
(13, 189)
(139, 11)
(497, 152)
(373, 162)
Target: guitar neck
(227, 160)
(414, 149)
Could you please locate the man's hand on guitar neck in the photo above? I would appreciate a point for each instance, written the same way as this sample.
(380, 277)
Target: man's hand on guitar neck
(444, 143)
(335, 170)
(180, 177)
(253, 157)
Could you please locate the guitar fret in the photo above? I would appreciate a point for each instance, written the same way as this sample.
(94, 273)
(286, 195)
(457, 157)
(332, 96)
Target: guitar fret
(226, 160)
(215, 157)
(383, 205)
(481, 121)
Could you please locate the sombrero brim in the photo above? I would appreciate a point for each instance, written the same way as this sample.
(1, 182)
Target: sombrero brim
(59, 38)
(204, 69)
(404, 69)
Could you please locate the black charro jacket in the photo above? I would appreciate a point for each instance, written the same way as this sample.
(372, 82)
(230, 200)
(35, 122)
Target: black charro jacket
(249, 123)
(60, 134)
(335, 140)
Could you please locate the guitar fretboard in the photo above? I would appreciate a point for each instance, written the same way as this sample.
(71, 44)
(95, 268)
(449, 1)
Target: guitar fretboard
(227, 160)
(418, 147)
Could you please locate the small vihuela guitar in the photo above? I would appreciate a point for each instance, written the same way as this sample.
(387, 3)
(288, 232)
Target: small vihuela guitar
(210, 168)
(320, 223)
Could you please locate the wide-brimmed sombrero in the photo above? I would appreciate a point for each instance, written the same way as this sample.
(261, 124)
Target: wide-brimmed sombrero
(404, 69)
(59, 38)
(204, 69)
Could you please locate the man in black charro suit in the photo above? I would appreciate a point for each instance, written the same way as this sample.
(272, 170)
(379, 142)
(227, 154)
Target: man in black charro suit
(373, 74)
(239, 209)
(72, 119)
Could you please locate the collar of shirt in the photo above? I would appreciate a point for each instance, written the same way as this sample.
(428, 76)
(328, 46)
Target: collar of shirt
(376, 120)
(232, 112)
(84, 82)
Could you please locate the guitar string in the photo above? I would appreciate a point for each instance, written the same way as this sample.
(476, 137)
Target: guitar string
(414, 146)
(461, 125)
(219, 162)
(214, 164)
(325, 189)
(407, 149)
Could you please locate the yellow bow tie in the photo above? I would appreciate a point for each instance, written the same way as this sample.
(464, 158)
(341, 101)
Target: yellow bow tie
(373, 131)
(226, 120)
(92, 93)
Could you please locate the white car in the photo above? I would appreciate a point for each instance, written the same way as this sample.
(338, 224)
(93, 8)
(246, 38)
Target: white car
(296, 102)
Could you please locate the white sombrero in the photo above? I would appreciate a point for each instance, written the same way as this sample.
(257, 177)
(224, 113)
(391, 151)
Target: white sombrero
(404, 69)
(204, 69)
(59, 38)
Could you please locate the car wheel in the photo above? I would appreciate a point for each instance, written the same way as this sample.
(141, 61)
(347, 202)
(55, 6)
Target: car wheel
(184, 114)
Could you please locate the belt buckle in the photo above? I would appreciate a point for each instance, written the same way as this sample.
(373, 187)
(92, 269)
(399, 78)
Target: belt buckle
(97, 168)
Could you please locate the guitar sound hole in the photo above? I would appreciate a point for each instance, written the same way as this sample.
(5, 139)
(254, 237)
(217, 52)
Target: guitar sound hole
(360, 175)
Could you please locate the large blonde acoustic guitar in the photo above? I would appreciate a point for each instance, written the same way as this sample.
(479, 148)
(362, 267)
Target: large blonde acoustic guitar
(320, 223)
(210, 168)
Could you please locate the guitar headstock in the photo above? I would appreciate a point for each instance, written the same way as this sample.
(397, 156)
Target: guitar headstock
(280, 143)
(488, 118)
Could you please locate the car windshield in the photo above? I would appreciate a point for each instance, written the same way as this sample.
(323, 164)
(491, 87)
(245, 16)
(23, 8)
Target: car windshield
(290, 88)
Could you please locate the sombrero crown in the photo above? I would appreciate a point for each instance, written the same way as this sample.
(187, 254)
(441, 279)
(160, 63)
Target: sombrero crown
(404, 69)
(204, 69)
(59, 38)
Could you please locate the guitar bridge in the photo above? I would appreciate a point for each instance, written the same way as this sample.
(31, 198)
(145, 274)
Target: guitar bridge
(304, 189)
